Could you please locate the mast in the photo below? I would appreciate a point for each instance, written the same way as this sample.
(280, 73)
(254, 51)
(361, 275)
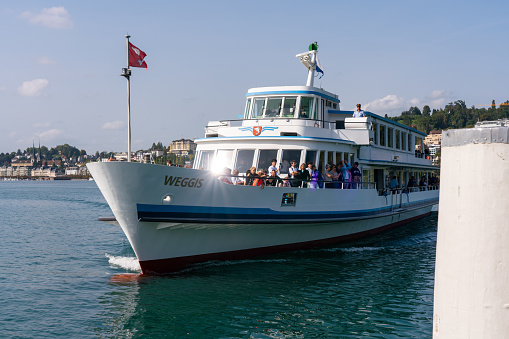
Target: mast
(126, 72)
(308, 59)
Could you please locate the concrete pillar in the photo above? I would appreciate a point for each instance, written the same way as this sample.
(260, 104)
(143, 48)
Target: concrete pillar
(472, 263)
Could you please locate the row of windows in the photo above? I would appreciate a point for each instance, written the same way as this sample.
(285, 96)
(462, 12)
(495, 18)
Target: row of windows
(286, 107)
(384, 136)
(244, 159)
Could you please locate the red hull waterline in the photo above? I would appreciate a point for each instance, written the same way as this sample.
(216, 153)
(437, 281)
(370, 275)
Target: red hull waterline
(174, 265)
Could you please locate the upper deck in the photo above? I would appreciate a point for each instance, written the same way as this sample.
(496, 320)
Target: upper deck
(309, 117)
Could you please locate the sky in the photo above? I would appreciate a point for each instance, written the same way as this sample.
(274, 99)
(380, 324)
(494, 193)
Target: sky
(61, 62)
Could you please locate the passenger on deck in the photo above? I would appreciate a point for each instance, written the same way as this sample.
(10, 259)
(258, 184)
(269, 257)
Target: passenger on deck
(260, 179)
(316, 178)
(273, 179)
(226, 178)
(423, 183)
(358, 113)
(356, 175)
(303, 175)
(235, 179)
(273, 167)
(394, 185)
(412, 182)
(292, 171)
(329, 176)
(251, 176)
(310, 168)
(345, 172)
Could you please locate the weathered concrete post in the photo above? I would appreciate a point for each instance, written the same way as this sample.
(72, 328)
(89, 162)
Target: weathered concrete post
(472, 263)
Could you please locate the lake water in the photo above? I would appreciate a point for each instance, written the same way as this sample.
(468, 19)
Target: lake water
(65, 274)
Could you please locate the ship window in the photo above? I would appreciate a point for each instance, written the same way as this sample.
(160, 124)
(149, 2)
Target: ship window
(311, 156)
(258, 107)
(222, 159)
(206, 160)
(390, 137)
(289, 155)
(403, 141)
(339, 157)
(306, 105)
(382, 135)
(273, 107)
(320, 166)
(409, 142)
(397, 140)
(244, 160)
(265, 158)
(334, 105)
(289, 199)
(375, 134)
(330, 156)
(248, 108)
(289, 107)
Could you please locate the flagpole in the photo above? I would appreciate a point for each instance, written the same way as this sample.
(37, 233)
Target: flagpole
(128, 76)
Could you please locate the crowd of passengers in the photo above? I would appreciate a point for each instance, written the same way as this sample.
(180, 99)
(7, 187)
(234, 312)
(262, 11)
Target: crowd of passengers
(342, 175)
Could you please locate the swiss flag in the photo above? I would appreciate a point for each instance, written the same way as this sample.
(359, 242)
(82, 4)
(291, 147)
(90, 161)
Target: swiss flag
(136, 57)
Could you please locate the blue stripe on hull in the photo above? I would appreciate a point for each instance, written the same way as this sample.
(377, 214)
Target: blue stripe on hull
(190, 214)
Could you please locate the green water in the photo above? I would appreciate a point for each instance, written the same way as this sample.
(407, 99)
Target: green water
(63, 274)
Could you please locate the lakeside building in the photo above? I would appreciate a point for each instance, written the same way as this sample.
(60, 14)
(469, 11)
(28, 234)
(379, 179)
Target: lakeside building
(182, 147)
(433, 138)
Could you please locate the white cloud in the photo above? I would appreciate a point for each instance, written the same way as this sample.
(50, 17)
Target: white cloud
(33, 88)
(389, 103)
(117, 124)
(49, 134)
(44, 60)
(54, 17)
(394, 105)
(437, 99)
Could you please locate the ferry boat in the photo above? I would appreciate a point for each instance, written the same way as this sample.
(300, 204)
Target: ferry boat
(176, 217)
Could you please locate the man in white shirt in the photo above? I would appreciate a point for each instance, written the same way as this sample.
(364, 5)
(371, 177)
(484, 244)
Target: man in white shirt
(273, 167)
(359, 113)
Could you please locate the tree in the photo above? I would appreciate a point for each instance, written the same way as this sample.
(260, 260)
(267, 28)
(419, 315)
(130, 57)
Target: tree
(426, 110)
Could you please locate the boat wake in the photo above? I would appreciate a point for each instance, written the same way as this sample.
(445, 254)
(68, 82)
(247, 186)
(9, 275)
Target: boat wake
(127, 263)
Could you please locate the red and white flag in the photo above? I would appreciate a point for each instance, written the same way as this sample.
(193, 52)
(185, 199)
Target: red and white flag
(136, 57)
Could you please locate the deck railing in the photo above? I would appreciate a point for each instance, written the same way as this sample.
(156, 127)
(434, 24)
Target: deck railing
(323, 184)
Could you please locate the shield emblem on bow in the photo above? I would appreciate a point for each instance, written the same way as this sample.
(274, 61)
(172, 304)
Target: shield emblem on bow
(257, 130)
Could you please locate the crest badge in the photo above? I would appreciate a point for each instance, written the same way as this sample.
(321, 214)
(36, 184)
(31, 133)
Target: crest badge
(257, 130)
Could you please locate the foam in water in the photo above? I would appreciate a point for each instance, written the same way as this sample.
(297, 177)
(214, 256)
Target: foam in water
(128, 263)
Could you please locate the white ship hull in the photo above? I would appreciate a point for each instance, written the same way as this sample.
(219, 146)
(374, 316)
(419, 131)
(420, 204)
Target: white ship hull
(207, 219)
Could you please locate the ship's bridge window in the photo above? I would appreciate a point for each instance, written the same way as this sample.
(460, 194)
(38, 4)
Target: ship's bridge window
(273, 107)
(307, 109)
(258, 107)
(248, 108)
(289, 107)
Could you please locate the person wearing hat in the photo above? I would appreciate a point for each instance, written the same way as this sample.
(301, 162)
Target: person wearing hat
(359, 113)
